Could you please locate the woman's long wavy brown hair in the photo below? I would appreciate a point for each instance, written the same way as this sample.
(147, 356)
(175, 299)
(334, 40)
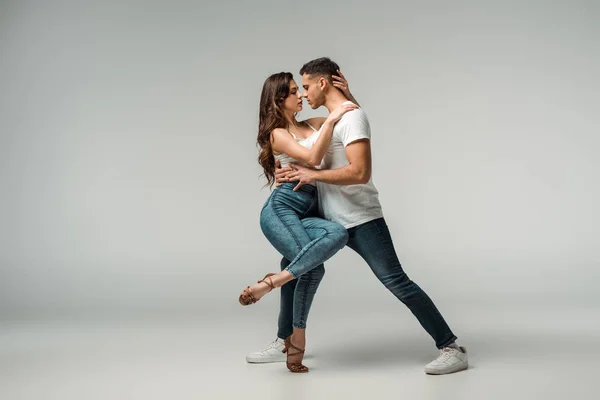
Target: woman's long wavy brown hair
(275, 89)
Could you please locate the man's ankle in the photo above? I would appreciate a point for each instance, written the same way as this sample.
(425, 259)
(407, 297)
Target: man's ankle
(453, 345)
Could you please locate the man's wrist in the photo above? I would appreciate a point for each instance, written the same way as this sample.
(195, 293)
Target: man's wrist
(314, 174)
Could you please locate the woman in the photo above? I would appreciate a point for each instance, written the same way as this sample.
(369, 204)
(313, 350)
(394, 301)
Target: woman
(289, 218)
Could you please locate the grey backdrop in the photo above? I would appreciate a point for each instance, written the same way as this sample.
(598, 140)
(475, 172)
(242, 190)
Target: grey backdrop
(128, 166)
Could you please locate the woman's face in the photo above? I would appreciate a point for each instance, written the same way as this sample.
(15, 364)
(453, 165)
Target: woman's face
(293, 102)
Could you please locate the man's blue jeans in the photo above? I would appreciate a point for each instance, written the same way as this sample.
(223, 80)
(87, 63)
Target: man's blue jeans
(290, 222)
(373, 242)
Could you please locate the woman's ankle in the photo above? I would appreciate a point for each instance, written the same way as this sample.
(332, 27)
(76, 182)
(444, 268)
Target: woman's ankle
(283, 277)
(298, 338)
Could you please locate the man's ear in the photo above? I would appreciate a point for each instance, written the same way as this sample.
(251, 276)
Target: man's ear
(323, 83)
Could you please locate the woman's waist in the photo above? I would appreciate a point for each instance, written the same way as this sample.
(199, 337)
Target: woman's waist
(305, 188)
(301, 201)
(285, 160)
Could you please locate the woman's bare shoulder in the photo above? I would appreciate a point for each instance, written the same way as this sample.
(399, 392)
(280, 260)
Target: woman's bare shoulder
(279, 131)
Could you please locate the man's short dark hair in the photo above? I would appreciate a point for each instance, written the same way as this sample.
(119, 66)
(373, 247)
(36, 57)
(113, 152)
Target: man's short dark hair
(322, 67)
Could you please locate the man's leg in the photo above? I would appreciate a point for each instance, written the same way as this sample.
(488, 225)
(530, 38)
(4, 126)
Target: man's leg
(286, 305)
(372, 241)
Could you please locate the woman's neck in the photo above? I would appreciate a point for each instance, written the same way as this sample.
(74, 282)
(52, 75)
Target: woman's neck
(291, 121)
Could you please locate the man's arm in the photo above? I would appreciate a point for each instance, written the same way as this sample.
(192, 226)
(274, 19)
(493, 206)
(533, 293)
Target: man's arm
(357, 172)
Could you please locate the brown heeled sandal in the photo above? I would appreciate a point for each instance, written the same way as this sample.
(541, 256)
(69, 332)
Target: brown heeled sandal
(247, 298)
(294, 367)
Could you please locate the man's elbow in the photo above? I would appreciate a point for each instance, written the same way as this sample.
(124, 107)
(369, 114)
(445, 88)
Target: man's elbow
(364, 175)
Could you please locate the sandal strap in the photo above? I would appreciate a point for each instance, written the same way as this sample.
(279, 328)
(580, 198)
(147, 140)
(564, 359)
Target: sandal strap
(270, 282)
(290, 345)
(294, 366)
(297, 367)
(295, 354)
(249, 293)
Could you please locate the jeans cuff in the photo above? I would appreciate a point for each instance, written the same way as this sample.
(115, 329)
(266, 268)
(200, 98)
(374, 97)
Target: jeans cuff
(282, 335)
(291, 273)
(448, 342)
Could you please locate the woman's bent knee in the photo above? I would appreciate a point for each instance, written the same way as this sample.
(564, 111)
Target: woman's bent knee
(339, 235)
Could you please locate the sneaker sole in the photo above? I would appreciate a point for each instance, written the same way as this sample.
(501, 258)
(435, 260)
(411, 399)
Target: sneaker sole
(264, 360)
(456, 368)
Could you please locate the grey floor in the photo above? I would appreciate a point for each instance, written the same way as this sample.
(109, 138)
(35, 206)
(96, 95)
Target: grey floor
(551, 353)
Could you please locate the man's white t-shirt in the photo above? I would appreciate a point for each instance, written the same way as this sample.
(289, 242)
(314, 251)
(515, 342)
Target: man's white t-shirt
(348, 205)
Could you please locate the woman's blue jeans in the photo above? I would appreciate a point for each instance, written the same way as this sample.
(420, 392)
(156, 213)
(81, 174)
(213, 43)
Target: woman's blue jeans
(290, 222)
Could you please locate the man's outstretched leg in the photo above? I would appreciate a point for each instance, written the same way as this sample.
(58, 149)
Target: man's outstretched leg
(372, 241)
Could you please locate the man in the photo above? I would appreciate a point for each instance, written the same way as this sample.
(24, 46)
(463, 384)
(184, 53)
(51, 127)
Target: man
(348, 196)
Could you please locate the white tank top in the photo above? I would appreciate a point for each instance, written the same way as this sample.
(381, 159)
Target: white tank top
(308, 143)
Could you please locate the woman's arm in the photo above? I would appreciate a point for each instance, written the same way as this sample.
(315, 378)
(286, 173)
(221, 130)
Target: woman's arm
(283, 142)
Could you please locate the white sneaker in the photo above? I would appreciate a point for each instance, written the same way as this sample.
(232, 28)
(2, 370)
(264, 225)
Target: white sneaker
(450, 360)
(273, 352)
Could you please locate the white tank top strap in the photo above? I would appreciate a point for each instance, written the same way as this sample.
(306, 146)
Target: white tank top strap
(311, 127)
(290, 132)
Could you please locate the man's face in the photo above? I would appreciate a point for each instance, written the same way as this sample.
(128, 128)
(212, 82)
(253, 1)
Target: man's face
(313, 92)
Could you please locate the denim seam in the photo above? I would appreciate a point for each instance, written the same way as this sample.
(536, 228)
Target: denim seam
(286, 226)
(314, 200)
(304, 250)
(302, 313)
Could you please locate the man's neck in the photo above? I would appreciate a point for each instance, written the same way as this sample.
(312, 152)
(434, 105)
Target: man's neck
(334, 100)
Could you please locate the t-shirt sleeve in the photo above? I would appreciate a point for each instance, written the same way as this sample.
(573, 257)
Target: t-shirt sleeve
(355, 126)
